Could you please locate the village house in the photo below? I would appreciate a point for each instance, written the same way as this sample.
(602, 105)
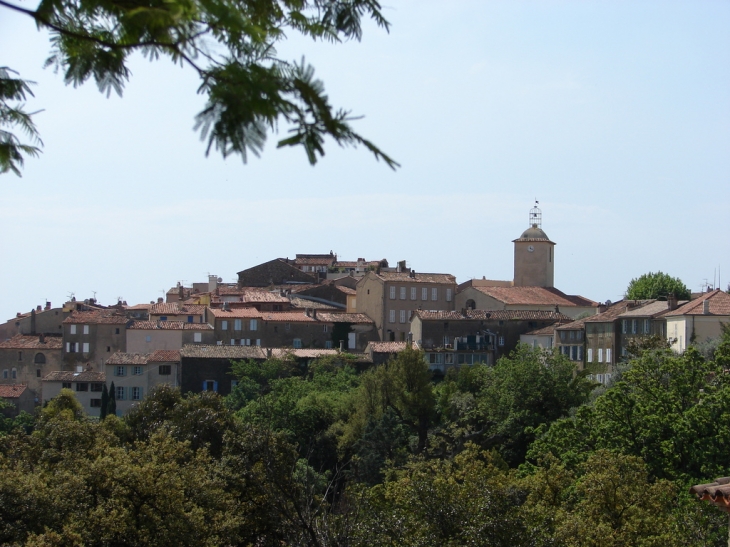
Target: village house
(27, 359)
(698, 320)
(136, 374)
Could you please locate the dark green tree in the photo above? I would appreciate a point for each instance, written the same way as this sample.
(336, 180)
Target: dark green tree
(104, 402)
(231, 45)
(112, 404)
(656, 285)
(13, 92)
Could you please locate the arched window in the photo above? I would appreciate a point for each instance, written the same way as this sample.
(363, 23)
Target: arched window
(470, 304)
(13, 373)
(40, 359)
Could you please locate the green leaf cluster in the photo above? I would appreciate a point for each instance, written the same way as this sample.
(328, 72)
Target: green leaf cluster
(656, 285)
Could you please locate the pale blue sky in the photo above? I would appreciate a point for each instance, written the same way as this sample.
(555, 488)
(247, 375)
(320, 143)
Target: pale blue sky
(615, 115)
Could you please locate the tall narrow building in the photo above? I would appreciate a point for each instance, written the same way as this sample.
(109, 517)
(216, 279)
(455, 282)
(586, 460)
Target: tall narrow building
(534, 255)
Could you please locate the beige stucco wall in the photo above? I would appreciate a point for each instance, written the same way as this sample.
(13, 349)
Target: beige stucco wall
(159, 339)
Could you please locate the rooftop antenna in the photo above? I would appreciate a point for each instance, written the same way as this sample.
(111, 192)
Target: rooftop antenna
(94, 293)
(536, 216)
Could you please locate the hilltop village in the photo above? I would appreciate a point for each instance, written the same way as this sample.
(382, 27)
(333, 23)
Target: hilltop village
(316, 305)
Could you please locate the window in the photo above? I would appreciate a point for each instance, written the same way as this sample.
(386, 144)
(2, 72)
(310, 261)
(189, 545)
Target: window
(37, 373)
(66, 385)
(136, 393)
(165, 370)
(448, 295)
(82, 386)
(579, 335)
(197, 337)
(86, 329)
(501, 341)
(120, 371)
(148, 339)
(647, 326)
(590, 355)
(224, 325)
(20, 356)
(599, 378)
(97, 387)
(600, 355)
(625, 326)
(95, 403)
(39, 359)
(572, 335)
(108, 349)
(403, 316)
(392, 293)
(85, 347)
(14, 373)
(71, 347)
(562, 335)
(287, 327)
(121, 392)
(633, 326)
(391, 316)
(402, 293)
(328, 344)
(434, 293)
(297, 343)
(137, 371)
(424, 293)
(580, 353)
(573, 353)
(253, 324)
(190, 318)
(446, 341)
(233, 341)
(163, 318)
(72, 329)
(258, 341)
(414, 293)
(608, 355)
(237, 324)
(234, 383)
(325, 328)
(116, 331)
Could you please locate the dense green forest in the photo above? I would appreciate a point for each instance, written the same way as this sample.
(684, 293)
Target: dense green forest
(522, 453)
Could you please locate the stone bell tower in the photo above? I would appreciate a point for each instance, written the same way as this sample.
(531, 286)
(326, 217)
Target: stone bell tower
(534, 255)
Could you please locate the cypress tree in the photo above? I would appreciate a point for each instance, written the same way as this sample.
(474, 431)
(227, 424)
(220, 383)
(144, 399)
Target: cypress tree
(104, 402)
(112, 409)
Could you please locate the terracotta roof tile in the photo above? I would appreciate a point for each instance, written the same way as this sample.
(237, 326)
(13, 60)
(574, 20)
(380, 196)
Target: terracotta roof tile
(492, 315)
(359, 318)
(235, 313)
(98, 317)
(542, 296)
(302, 353)
(417, 277)
(165, 356)
(616, 309)
(26, 341)
(387, 347)
(287, 316)
(168, 325)
(264, 296)
(718, 302)
(121, 358)
(67, 376)
(12, 391)
(223, 352)
(303, 303)
(346, 290)
(176, 308)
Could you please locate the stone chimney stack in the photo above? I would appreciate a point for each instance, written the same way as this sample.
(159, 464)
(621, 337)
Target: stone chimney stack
(672, 301)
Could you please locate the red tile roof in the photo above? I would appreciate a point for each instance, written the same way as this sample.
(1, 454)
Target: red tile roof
(329, 317)
(12, 391)
(168, 325)
(67, 376)
(177, 308)
(264, 296)
(121, 358)
(165, 356)
(387, 347)
(407, 277)
(98, 317)
(540, 296)
(222, 352)
(235, 313)
(27, 341)
(303, 303)
(491, 315)
(287, 316)
(281, 353)
(718, 303)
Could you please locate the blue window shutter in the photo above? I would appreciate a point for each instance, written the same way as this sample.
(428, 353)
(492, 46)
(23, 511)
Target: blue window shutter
(204, 385)
(215, 387)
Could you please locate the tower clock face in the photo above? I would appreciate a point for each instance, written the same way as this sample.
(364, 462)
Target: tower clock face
(530, 248)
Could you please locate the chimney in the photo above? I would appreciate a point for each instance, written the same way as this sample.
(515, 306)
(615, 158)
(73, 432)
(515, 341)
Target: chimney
(672, 301)
(602, 307)
(557, 309)
(180, 291)
(48, 305)
(706, 306)
(308, 312)
(159, 300)
(413, 274)
(409, 339)
(38, 308)
(41, 338)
